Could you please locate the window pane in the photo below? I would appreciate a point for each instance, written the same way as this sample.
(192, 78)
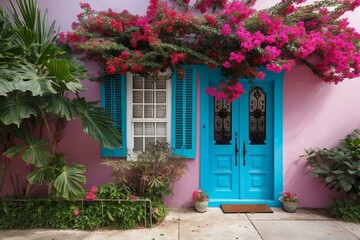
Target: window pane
(138, 144)
(161, 97)
(149, 111)
(161, 139)
(137, 96)
(149, 140)
(161, 129)
(137, 111)
(137, 82)
(149, 97)
(149, 83)
(138, 128)
(161, 83)
(161, 111)
(149, 129)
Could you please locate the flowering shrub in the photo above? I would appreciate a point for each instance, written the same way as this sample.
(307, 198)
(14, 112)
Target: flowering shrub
(91, 195)
(230, 35)
(288, 197)
(199, 196)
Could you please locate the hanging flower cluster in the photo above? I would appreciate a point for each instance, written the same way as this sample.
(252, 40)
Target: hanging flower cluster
(230, 35)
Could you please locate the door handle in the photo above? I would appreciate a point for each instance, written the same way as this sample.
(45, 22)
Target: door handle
(236, 150)
(244, 153)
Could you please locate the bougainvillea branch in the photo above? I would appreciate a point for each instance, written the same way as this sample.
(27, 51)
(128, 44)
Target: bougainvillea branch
(230, 35)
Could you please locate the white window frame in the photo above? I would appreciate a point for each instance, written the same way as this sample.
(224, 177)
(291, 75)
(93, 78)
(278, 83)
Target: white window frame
(131, 155)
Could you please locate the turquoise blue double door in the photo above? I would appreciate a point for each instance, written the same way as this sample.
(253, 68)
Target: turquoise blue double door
(238, 145)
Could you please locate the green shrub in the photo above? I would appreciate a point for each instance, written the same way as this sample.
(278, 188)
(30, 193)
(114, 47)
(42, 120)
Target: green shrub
(339, 166)
(107, 210)
(153, 173)
(346, 210)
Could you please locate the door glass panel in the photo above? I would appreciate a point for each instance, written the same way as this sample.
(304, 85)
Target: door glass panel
(222, 121)
(257, 116)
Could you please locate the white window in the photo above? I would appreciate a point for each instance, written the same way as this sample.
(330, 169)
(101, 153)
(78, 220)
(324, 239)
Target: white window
(148, 111)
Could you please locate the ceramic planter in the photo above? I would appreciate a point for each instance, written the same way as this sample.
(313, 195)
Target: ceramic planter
(290, 206)
(201, 206)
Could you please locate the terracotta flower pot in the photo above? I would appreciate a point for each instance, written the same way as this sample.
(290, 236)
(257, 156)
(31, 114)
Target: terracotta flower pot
(290, 207)
(201, 206)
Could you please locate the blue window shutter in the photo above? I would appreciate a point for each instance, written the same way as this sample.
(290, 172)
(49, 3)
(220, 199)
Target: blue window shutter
(183, 130)
(113, 100)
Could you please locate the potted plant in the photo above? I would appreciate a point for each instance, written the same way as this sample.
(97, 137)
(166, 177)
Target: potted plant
(201, 200)
(290, 201)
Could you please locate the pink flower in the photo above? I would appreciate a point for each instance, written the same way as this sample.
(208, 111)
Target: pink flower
(76, 212)
(226, 30)
(93, 189)
(132, 197)
(62, 38)
(124, 55)
(237, 57)
(226, 64)
(261, 75)
(110, 70)
(194, 195)
(90, 196)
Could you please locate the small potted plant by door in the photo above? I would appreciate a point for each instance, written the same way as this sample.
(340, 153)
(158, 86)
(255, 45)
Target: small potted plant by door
(201, 200)
(290, 201)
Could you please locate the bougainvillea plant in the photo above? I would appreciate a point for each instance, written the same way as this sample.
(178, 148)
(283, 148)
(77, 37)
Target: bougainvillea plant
(230, 35)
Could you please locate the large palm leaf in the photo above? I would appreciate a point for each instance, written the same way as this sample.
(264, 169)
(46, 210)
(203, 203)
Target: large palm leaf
(68, 181)
(18, 106)
(98, 124)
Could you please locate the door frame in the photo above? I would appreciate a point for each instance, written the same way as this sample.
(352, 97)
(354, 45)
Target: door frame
(205, 74)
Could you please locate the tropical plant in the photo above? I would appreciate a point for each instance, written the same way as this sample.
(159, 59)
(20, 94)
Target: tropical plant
(152, 175)
(36, 77)
(231, 35)
(347, 210)
(339, 166)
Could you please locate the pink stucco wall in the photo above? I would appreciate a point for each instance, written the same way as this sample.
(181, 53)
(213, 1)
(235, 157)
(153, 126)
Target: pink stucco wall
(316, 114)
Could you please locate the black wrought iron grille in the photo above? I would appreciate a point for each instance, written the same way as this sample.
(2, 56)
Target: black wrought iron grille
(222, 121)
(257, 116)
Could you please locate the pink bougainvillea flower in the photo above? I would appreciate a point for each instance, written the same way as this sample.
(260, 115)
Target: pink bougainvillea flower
(226, 64)
(93, 189)
(90, 196)
(76, 212)
(226, 30)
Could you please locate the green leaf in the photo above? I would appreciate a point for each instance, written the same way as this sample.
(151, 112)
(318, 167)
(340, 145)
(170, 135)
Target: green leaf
(346, 185)
(60, 69)
(11, 152)
(41, 175)
(27, 78)
(18, 106)
(68, 182)
(5, 86)
(26, 36)
(330, 178)
(61, 106)
(98, 124)
(36, 152)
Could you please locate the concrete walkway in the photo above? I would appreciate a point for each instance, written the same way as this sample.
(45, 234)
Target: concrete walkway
(185, 224)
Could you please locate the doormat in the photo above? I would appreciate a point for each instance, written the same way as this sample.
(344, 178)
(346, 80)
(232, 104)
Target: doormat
(246, 208)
